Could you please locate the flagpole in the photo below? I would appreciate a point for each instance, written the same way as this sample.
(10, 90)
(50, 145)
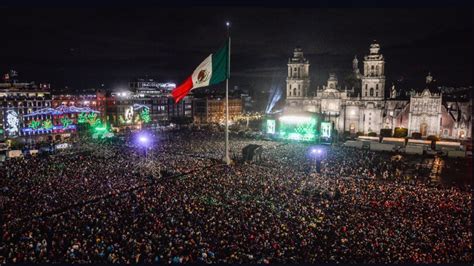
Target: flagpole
(227, 158)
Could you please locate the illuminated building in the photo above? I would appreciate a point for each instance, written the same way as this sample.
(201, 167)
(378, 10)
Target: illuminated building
(60, 121)
(94, 100)
(366, 109)
(212, 110)
(18, 99)
(162, 109)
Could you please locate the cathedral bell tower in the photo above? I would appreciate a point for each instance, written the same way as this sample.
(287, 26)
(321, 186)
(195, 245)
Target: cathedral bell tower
(373, 80)
(297, 82)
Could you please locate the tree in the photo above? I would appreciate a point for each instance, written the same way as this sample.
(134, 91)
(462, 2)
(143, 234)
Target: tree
(386, 132)
(432, 138)
(346, 134)
(416, 135)
(400, 132)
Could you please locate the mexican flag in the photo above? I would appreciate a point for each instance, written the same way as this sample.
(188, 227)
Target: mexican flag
(214, 69)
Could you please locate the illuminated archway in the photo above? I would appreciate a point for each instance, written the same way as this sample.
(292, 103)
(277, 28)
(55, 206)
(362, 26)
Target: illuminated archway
(423, 129)
(352, 128)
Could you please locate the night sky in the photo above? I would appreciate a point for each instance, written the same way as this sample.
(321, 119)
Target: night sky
(83, 48)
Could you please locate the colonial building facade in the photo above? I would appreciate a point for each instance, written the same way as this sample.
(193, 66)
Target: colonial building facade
(367, 109)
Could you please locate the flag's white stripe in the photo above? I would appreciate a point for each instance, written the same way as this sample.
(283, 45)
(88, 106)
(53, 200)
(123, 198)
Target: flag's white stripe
(202, 74)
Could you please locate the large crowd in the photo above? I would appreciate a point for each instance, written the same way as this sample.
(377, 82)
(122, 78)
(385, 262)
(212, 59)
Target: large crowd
(110, 203)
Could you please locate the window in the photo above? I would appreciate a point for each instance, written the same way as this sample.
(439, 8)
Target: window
(377, 87)
(377, 93)
(294, 92)
(371, 91)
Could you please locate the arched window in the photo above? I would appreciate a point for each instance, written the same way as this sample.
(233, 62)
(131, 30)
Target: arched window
(294, 92)
(371, 91)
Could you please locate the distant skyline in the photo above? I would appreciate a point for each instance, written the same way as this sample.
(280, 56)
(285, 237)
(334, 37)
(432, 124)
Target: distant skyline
(83, 48)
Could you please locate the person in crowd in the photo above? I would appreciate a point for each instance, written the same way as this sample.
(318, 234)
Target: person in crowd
(97, 204)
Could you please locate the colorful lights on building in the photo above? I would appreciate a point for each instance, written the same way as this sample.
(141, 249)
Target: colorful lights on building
(12, 123)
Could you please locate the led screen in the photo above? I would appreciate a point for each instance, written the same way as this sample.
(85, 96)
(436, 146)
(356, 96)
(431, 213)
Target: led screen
(298, 128)
(271, 125)
(325, 129)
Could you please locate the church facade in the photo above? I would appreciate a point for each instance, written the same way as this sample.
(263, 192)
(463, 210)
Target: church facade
(365, 108)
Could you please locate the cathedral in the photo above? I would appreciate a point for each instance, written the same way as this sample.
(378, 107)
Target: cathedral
(365, 108)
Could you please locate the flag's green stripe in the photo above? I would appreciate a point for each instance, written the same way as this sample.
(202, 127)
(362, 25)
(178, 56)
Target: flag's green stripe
(219, 65)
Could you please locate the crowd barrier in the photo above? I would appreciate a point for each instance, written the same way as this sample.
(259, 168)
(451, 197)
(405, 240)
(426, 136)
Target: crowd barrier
(457, 154)
(374, 146)
(414, 149)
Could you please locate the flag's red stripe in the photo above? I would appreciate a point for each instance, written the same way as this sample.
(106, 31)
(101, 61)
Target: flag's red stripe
(182, 90)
